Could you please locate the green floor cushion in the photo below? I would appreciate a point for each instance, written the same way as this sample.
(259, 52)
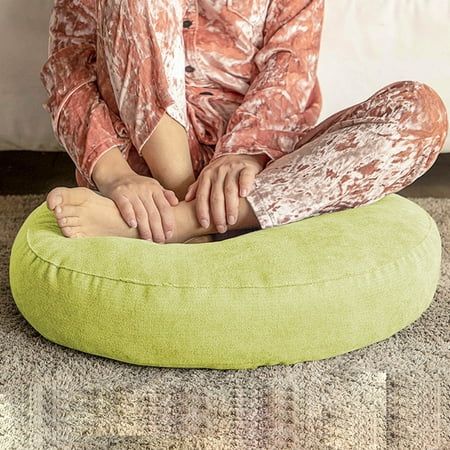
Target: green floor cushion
(307, 290)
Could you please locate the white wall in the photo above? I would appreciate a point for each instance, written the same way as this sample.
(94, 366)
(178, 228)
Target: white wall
(367, 44)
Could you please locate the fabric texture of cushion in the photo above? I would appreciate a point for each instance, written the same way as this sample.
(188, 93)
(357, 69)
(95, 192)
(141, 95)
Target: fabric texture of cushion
(308, 290)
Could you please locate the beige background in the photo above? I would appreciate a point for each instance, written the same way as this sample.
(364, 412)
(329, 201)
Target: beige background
(366, 45)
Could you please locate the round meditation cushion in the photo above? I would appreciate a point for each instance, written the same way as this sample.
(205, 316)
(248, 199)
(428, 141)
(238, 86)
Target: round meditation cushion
(308, 290)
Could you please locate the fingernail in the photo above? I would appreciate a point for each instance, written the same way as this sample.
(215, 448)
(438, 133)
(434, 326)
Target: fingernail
(221, 229)
(204, 223)
(169, 234)
(58, 209)
(244, 192)
(231, 220)
(58, 199)
(133, 223)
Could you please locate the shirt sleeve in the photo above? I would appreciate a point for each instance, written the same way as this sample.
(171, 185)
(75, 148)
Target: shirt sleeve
(284, 98)
(81, 120)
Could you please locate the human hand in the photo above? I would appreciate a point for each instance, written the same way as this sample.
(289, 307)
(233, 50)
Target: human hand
(219, 186)
(144, 204)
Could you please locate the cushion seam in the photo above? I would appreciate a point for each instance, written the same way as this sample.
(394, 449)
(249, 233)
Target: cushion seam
(427, 235)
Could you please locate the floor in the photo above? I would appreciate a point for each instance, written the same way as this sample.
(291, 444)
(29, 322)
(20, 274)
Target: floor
(33, 172)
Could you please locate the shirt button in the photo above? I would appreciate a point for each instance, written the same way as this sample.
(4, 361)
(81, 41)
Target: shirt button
(189, 68)
(187, 23)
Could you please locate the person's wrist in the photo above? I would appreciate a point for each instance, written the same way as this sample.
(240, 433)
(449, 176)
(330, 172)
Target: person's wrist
(103, 184)
(110, 168)
(261, 158)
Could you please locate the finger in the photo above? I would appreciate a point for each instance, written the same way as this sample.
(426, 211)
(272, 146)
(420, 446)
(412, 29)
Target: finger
(232, 196)
(190, 194)
(187, 195)
(171, 197)
(154, 218)
(142, 218)
(246, 178)
(126, 209)
(166, 212)
(202, 204)
(217, 202)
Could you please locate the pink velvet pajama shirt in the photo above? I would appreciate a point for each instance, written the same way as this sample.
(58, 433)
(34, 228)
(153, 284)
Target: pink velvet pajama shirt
(240, 77)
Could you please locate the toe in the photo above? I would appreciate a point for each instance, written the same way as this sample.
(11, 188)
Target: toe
(68, 196)
(65, 221)
(68, 231)
(55, 197)
(73, 232)
(67, 211)
(77, 196)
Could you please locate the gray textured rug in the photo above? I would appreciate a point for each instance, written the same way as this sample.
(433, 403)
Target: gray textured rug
(394, 394)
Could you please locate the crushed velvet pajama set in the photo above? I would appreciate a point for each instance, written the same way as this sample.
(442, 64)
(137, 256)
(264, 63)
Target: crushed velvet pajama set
(240, 77)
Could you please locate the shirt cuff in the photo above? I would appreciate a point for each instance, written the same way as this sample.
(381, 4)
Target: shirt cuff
(89, 164)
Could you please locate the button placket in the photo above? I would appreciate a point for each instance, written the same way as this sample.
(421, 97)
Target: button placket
(187, 23)
(190, 23)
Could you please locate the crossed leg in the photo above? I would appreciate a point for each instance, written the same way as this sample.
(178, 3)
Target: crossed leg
(352, 158)
(355, 157)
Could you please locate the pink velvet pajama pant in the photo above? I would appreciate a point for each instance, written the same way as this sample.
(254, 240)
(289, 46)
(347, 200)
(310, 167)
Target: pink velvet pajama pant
(356, 156)
(352, 158)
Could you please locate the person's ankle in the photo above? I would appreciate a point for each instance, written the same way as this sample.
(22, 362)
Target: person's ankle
(186, 223)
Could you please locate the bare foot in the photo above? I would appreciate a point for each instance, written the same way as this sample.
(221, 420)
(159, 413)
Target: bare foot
(81, 212)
